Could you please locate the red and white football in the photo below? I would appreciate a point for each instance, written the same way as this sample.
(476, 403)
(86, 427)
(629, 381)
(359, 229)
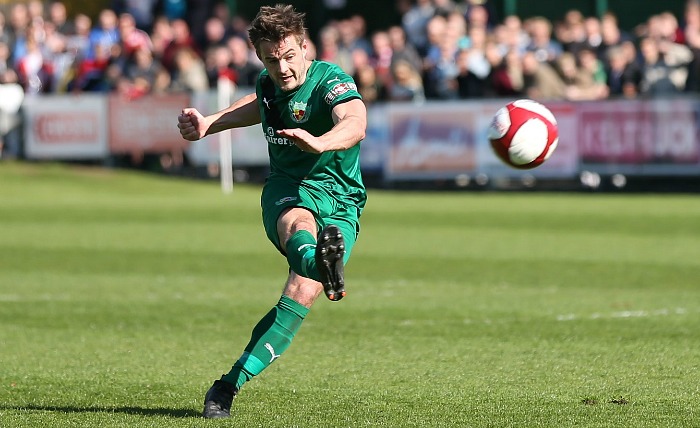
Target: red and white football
(523, 134)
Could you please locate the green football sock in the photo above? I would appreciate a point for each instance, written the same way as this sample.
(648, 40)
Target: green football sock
(270, 338)
(301, 248)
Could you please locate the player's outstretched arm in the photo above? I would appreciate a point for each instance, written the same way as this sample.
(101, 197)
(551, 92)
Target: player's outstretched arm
(244, 112)
(350, 126)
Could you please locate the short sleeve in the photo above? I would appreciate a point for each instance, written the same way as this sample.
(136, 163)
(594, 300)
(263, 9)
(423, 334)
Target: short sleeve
(338, 87)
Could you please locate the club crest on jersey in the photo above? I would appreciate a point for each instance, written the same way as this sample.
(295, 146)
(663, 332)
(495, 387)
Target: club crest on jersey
(299, 111)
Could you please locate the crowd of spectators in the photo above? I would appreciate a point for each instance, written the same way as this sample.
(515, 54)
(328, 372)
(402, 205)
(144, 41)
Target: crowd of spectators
(441, 49)
(46, 51)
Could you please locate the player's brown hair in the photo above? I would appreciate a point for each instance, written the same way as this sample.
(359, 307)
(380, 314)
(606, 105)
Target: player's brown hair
(275, 23)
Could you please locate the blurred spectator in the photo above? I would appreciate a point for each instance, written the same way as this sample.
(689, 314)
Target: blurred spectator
(132, 39)
(474, 67)
(58, 16)
(162, 83)
(580, 81)
(4, 36)
(7, 72)
(540, 80)
(91, 71)
(246, 70)
(161, 36)
(35, 8)
(55, 50)
(691, 35)
(667, 28)
(140, 74)
(445, 7)
(17, 31)
(611, 33)
(218, 65)
(401, 50)
(441, 62)
(78, 44)
(623, 75)
(402, 6)
(353, 34)
(664, 30)
(381, 57)
(182, 38)
(506, 78)
(656, 72)
(571, 32)
(594, 36)
(541, 43)
(368, 83)
(331, 50)
(415, 23)
(477, 16)
(511, 35)
(457, 28)
(221, 11)
(588, 60)
(104, 35)
(190, 72)
(238, 27)
(691, 29)
(34, 71)
(198, 11)
(407, 83)
(214, 32)
(486, 7)
(141, 10)
(171, 9)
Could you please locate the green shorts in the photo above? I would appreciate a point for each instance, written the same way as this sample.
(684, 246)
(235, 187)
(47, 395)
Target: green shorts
(278, 195)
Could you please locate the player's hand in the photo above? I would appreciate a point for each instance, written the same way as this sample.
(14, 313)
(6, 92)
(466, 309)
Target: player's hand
(191, 124)
(305, 141)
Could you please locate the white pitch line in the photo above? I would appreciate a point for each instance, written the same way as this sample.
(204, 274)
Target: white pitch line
(624, 314)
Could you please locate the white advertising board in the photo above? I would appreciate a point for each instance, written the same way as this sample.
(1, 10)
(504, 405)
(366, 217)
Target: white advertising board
(66, 127)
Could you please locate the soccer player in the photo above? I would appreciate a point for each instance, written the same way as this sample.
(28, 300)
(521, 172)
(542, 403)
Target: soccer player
(313, 119)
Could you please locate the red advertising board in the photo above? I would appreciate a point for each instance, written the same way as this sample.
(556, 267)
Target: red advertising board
(639, 132)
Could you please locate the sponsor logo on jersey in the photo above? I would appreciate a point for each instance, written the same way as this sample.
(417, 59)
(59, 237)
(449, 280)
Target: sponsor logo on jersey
(338, 90)
(299, 111)
(271, 139)
(267, 102)
(286, 199)
(272, 352)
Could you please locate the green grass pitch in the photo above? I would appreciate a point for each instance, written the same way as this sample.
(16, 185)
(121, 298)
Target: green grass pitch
(123, 296)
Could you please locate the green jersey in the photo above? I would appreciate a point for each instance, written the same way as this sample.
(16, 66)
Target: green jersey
(309, 107)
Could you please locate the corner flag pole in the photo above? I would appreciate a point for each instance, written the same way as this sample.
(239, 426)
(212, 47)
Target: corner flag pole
(225, 90)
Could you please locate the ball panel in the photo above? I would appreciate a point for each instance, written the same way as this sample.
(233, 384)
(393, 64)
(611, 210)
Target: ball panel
(500, 124)
(528, 143)
(537, 108)
(500, 148)
(550, 149)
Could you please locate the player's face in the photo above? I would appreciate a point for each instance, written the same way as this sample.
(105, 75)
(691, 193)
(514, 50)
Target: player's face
(285, 62)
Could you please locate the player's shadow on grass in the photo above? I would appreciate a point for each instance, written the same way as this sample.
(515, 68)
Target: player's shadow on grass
(173, 413)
